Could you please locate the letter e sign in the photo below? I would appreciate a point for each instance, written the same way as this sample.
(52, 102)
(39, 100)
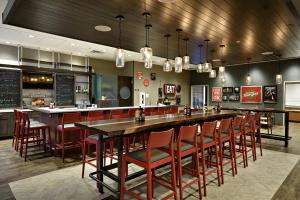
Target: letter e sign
(169, 88)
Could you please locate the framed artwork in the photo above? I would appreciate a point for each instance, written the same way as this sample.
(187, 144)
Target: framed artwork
(270, 94)
(236, 89)
(234, 97)
(216, 94)
(251, 94)
(153, 76)
(225, 98)
(227, 89)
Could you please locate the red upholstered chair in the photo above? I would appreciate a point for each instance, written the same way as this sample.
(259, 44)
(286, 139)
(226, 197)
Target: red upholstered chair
(149, 159)
(257, 130)
(224, 135)
(248, 126)
(186, 145)
(32, 133)
(207, 141)
(238, 138)
(148, 111)
(67, 126)
(91, 138)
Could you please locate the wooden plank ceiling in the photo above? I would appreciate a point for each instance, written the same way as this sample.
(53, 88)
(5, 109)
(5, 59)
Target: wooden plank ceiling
(259, 25)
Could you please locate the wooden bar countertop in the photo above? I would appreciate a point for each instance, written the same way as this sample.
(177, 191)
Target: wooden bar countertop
(128, 126)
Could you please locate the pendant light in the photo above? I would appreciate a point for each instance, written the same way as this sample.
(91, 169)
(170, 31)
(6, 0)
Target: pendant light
(178, 59)
(167, 64)
(248, 79)
(212, 72)
(207, 66)
(279, 75)
(120, 56)
(186, 58)
(200, 65)
(222, 67)
(146, 51)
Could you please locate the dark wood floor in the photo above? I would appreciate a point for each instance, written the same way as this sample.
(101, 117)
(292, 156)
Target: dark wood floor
(13, 168)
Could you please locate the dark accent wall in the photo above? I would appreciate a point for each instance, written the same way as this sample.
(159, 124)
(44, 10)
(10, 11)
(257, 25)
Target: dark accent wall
(261, 73)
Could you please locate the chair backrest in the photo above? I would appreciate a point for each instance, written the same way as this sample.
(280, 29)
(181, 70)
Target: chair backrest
(17, 125)
(148, 111)
(95, 115)
(158, 112)
(174, 109)
(160, 139)
(237, 122)
(208, 130)
(249, 121)
(69, 118)
(225, 127)
(188, 134)
(117, 114)
(257, 118)
(25, 123)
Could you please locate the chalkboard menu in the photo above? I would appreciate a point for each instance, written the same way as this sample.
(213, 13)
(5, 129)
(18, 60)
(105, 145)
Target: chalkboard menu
(64, 90)
(10, 92)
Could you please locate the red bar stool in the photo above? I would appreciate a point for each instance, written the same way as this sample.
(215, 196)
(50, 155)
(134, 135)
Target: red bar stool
(257, 130)
(148, 111)
(17, 127)
(225, 136)
(249, 131)
(67, 126)
(91, 138)
(238, 135)
(186, 145)
(207, 141)
(149, 159)
(33, 133)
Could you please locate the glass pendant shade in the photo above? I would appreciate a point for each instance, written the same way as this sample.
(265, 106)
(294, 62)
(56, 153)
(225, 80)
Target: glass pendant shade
(212, 74)
(148, 63)
(207, 67)
(186, 62)
(200, 68)
(278, 78)
(147, 56)
(221, 71)
(223, 80)
(248, 80)
(120, 58)
(178, 64)
(167, 66)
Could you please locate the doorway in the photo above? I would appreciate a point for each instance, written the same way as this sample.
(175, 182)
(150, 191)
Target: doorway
(125, 91)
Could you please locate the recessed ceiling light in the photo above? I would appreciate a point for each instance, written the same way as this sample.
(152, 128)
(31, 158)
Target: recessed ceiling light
(102, 28)
(31, 36)
(72, 44)
(216, 60)
(238, 41)
(7, 42)
(267, 53)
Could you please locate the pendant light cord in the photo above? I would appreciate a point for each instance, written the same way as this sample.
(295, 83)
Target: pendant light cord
(178, 42)
(120, 33)
(200, 47)
(167, 46)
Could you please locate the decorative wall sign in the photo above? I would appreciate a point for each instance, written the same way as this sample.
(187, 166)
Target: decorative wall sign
(139, 75)
(169, 88)
(146, 82)
(270, 94)
(227, 89)
(153, 76)
(251, 94)
(178, 88)
(226, 92)
(236, 89)
(216, 94)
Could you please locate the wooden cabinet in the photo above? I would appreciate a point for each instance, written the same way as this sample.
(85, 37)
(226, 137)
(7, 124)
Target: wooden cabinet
(294, 117)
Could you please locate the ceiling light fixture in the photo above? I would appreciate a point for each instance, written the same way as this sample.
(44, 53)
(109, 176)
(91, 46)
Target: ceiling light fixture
(178, 59)
(102, 28)
(146, 51)
(120, 57)
(186, 58)
(200, 65)
(31, 36)
(212, 73)
(267, 53)
(167, 64)
(167, 1)
(207, 66)
(222, 67)
(279, 75)
(248, 79)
